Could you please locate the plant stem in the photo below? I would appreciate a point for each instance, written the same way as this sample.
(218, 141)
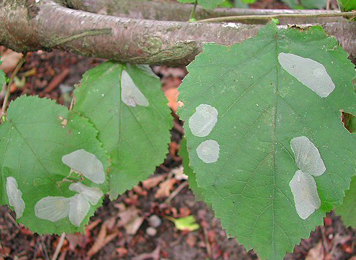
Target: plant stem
(192, 14)
(11, 81)
(276, 16)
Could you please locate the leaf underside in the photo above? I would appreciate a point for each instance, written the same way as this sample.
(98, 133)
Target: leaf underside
(261, 109)
(135, 137)
(33, 140)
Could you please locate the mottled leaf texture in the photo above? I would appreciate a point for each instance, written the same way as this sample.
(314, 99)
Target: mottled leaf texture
(126, 104)
(207, 4)
(34, 181)
(246, 164)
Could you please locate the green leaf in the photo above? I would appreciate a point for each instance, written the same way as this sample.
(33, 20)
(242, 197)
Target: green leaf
(33, 140)
(135, 135)
(2, 79)
(242, 110)
(308, 4)
(249, 1)
(206, 4)
(240, 4)
(314, 4)
(347, 5)
(347, 210)
(187, 223)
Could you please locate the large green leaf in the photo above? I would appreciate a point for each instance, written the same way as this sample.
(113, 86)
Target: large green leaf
(33, 140)
(347, 5)
(135, 135)
(242, 110)
(347, 210)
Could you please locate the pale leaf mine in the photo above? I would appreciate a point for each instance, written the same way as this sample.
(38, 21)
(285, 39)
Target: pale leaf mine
(130, 93)
(87, 164)
(305, 194)
(208, 151)
(202, 122)
(309, 72)
(15, 196)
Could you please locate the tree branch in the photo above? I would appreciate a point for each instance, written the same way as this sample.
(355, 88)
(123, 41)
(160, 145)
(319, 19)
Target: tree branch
(29, 26)
(163, 11)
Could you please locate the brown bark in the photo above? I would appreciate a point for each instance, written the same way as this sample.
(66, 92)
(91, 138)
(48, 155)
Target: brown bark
(28, 26)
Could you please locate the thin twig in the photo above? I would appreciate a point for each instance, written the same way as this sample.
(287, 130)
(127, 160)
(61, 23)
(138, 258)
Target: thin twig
(276, 16)
(7, 89)
(59, 246)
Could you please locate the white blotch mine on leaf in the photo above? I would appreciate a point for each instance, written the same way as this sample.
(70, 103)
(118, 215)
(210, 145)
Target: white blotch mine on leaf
(78, 209)
(305, 194)
(202, 122)
(309, 72)
(87, 164)
(208, 151)
(52, 208)
(130, 93)
(307, 156)
(15, 196)
(91, 194)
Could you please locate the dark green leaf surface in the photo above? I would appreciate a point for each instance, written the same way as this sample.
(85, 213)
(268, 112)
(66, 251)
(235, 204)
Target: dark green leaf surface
(136, 138)
(347, 210)
(261, 108)
(33, 140)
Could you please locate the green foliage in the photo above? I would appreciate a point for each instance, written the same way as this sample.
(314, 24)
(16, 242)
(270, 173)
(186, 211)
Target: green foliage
(244, 164)
(308, 4)
(135, 137)
(207, 4)
(2, 79)
(347, 5)
(348, 208)
(36, 135)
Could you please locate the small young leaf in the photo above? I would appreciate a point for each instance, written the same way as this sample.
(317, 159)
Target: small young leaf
(187, 223)
(34, 181)
(126, 104)
(263, 104)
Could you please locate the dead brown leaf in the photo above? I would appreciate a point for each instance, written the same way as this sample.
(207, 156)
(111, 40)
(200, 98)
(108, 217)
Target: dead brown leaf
(153, 181)
(165, 188)
(102, 239)
(9, 60)
(172, 96)
(154, 255)
(316, 253)
(130, 220)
